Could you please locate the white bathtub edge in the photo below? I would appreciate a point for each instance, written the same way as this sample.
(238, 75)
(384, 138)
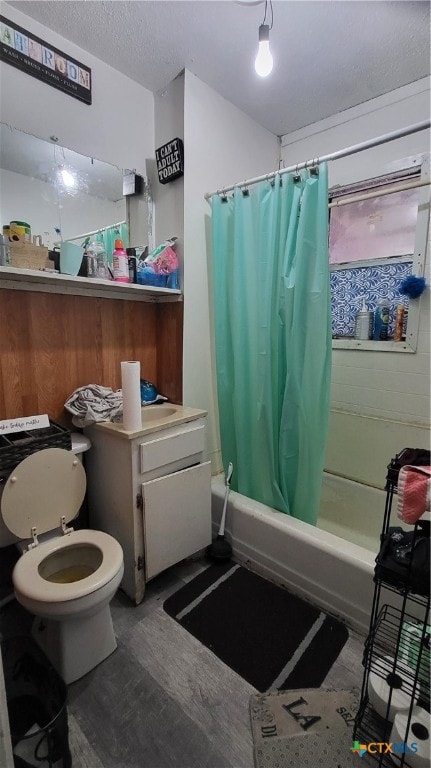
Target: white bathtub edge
(319, 566)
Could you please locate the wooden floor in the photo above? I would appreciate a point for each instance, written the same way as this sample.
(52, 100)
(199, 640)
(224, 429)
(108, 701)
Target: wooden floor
(163, 700)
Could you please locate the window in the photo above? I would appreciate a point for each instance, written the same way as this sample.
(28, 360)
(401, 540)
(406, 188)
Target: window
(377, 237)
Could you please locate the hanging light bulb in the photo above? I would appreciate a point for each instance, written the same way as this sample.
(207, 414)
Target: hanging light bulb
(264, 62)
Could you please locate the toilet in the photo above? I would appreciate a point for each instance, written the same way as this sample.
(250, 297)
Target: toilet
(65, 578)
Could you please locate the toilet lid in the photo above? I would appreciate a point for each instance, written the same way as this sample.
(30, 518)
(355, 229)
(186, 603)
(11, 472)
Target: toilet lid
(44, 487)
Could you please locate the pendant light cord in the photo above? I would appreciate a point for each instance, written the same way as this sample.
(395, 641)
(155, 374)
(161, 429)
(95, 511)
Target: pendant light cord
(272, 13)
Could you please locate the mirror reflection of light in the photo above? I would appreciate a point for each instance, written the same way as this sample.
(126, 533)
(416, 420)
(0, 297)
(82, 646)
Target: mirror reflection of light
(67, 178)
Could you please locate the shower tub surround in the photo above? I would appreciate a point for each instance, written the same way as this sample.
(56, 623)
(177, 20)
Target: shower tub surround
(353, 511)
(315, 562)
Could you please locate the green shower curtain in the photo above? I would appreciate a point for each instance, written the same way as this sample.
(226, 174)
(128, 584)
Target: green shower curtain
(107, 236)
(273, 338)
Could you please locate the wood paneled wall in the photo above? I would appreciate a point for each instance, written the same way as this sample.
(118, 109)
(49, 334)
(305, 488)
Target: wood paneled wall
(50, 344)
(169, 347)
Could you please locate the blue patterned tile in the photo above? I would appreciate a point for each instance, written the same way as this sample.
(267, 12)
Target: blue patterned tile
(375, 283)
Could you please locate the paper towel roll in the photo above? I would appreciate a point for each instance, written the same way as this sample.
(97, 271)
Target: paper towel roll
(382, 682)
(416, 737)
(131, 384)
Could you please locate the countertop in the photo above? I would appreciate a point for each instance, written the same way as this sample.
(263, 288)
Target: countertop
(154, 419)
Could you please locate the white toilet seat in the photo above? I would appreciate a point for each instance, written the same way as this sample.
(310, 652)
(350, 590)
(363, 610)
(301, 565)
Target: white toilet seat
(46, 486)
(43, 489)
(73, 623)
(28, 581)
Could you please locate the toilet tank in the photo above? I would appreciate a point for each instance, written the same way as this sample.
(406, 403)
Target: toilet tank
(80, 444)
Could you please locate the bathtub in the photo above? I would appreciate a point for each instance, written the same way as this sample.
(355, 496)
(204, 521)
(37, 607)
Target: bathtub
(330, 565)
(353, 511)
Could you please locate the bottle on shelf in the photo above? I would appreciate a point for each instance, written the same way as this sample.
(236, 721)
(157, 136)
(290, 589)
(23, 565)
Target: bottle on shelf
(97, 260)
(4, 251)
(381, 320)
(364, 322)
(399, 334)
(131, 257)
(120, 262)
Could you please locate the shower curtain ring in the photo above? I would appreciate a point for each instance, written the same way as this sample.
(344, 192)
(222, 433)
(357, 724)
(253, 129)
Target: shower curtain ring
(314, 170)
(296, 176)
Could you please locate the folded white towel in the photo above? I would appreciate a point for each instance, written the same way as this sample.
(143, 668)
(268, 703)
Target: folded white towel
(94, 403)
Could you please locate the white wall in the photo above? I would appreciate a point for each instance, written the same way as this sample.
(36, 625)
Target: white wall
(118, 127)
(380, 400)
(169, 198)
(222, 145)
(34, 201)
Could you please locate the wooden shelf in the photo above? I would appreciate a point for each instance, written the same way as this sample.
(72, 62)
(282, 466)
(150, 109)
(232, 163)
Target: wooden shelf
(54, 282)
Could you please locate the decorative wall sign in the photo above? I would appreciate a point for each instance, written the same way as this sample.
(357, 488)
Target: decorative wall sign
(170, 161)
(39, 59)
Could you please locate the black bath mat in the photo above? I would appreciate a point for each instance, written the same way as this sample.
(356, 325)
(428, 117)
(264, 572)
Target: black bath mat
(270, 637)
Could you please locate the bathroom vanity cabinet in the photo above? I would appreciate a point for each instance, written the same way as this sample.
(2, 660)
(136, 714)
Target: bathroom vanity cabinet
(151, 490)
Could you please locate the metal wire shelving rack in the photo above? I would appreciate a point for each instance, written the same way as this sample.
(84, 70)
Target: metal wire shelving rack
(399, 601)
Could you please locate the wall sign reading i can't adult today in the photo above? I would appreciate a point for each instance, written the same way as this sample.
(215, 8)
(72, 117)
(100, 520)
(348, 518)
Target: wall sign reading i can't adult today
(170, 161)
(32, 55)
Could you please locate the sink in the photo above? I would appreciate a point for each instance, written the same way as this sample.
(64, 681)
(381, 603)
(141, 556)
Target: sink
(154, 418)
(157, 412)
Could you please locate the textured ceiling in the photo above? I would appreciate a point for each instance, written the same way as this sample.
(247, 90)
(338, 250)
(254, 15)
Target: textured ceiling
(329, 55)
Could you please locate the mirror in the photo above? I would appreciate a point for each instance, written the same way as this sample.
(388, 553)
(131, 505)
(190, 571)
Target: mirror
(60, 193)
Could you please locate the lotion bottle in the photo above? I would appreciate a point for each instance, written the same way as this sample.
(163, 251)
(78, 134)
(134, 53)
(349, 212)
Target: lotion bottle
(120, 263)
(363, 322)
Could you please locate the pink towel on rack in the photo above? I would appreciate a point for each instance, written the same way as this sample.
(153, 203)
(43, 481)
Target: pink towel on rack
(414, 493)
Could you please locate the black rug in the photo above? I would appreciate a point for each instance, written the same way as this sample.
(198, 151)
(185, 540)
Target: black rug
(270, 637)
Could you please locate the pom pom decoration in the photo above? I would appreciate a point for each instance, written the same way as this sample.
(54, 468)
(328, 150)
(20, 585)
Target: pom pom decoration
(413, 286)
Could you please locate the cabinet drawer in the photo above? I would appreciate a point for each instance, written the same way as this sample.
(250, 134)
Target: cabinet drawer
(177, 517)
(165, 450)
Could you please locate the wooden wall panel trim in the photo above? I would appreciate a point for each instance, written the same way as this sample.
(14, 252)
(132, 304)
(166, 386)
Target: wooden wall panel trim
(170, 351)
(51, 344)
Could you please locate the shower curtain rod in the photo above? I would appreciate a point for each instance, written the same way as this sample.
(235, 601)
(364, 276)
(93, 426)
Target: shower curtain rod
(422, 126)
(381, 192)
(97, 231)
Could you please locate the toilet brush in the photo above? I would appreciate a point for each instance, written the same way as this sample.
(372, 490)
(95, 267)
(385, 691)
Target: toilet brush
(220, 549)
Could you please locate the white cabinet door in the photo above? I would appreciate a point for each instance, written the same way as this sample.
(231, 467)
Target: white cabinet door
(177, 517)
